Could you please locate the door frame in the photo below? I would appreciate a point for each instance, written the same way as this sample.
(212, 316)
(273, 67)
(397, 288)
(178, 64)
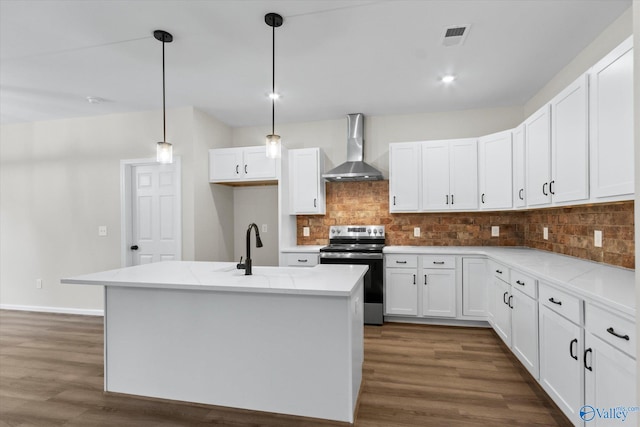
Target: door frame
(126, 208)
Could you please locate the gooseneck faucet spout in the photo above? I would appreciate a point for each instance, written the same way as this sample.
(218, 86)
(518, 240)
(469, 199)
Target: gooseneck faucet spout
(247, 262)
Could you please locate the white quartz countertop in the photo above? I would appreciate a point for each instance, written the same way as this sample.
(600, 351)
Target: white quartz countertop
(600, 283)
(327, 280)
(303, 249)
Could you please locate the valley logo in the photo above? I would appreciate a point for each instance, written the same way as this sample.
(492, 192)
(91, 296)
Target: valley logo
(588, 412)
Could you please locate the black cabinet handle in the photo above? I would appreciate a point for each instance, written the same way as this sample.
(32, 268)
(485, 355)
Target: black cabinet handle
(499, 271)
(401, 262)
(447, 199)
(245, 169)
(414, 279)
(554, 301)
(504, 298)
(520, 194)
(613, 332)
(438, 262)
(509, 303)
(585, 359)
(394, 200)
(314, 203)
(575, 340)
(237, 169)
(520, 283)
(544, 189)
(482, 198)
(452, 199)
(425, 280)
(551, 187)
(303, 260)
(134, 248)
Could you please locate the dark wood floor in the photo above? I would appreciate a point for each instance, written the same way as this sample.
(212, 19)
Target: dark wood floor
(51, 374)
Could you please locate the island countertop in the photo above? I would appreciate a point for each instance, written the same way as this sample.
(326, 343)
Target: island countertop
(327, 280)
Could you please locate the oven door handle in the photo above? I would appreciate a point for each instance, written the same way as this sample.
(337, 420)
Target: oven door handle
(350, 255)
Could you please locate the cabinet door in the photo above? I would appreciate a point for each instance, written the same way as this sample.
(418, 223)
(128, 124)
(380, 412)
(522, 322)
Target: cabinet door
(519, 167)
(524, 330)
(401, 291)
(438, 292)
(570, 144)
(257, 165)
(611, 133)
(225, 164)
(435, 175)
(404, 177)
(561, 372)
(496, 174)
(474, 287)
(609, 382)
(501, 292)
(306, 184)
(538, 146)
(463, 174)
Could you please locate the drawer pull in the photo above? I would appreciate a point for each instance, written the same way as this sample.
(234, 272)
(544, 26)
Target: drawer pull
(575, 340)
(499, 271)
(520, 283)
(554, 301)
(401, 262)
(303, 260)
(438, 262)
(613, 332)
(589, 368)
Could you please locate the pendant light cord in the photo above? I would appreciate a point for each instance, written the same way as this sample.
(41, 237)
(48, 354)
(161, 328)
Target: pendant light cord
(273, 79)
(164, 113)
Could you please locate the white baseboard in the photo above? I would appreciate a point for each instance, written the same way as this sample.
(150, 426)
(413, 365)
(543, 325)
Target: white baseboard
(64, 310)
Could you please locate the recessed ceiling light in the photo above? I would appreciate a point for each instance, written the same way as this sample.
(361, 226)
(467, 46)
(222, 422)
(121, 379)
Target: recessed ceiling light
(448, 79)
(274, 96)
(94, 100)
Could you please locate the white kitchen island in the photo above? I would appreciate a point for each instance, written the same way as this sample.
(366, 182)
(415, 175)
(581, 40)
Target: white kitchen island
(284, 340)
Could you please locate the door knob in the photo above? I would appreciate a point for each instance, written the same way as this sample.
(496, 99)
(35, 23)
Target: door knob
(134, 248)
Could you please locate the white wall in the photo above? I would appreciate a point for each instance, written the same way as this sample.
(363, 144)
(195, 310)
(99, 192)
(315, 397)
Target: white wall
(60, 180)
(257, 204)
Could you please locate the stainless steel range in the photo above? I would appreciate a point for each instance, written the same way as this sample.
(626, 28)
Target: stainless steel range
(360, 244)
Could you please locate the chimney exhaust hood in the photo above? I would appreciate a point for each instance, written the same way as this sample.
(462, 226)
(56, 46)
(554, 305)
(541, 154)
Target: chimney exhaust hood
(354, 169)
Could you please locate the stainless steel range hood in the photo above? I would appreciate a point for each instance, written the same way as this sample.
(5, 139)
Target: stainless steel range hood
(354, 169)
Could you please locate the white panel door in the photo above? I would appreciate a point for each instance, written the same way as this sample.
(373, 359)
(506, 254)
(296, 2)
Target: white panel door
(438, 293)
(519, 167)
(570, 144)
(404, 176)
(463, 174)
(401, 291)
(257, 165)
(225, 164)
(500, 292)
(435, 175)
(524, 330)
(538, 146)
(496, 175)
(155, 219)
(474, 287)
(305, 181)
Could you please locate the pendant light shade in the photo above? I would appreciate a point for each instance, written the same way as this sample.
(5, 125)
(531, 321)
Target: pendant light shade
(273, 144)
(164, 150)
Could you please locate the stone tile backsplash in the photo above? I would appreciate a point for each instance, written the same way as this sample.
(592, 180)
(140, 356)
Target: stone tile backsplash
(570, 229)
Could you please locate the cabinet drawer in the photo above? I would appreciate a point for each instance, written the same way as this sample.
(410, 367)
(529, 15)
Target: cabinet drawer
(562, 303)
(617, 331)
(302, 259)
(438, 261)
(499, 270)
(524, 283)
(402, 261)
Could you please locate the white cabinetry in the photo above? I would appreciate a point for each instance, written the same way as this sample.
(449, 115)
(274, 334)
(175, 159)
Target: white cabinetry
(401, 285)
(500, 292)
(519, 167)
(538, 148)
(474, 287)
(561, 345)
(611, 124)
(307, 188)
(241, 164)
(449, 175)
(302, 259)
(569, 142)
(495, 171)
(438, 277)
(404, 176)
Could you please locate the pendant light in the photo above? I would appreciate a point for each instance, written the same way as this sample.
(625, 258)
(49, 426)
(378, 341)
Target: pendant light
(164, 149)
(273, 144)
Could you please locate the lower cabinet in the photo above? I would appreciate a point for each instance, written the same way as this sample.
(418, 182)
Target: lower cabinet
(500, 294)
(474, 287)
(302, 259)
(524, 330)
(438, 293)
(401, 293)
(561, 376)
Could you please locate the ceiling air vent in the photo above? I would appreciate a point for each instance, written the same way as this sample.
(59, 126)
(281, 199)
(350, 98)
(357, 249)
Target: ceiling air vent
(455, 35)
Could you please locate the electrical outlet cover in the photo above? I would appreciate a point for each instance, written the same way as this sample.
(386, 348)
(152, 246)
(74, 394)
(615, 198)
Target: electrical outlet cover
(495, 231)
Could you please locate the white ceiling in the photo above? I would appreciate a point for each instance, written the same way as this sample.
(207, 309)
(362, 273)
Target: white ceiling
(333, 57)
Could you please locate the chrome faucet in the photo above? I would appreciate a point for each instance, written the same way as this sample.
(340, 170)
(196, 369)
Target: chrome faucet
(246, 266)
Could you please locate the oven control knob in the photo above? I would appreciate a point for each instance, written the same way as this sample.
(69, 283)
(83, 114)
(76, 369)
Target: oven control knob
(380, 231)
(369, 230)
(374, 231)
(333, 231)
(338, 231)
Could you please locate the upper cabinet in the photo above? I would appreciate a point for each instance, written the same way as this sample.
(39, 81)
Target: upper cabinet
(449, 175)
(519, 167)
(611, 124)
(240, 165)
(306, 186)
(403, 176)
(495, 171)
(538, 148)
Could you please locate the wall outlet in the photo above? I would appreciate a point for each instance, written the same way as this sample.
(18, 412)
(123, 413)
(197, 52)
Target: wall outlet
(495, 230)
(102, 230)
(306, 232)
(545, 233)
(416, 231)
(597, 238)
(38, 283)
(264, 228)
